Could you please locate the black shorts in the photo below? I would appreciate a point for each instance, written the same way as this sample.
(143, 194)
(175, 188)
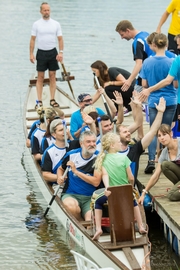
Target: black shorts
(47, 60)
(172, 44)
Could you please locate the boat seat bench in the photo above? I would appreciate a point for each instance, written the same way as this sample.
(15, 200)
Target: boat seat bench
(61, 107)
(34, 118)
(32, 82)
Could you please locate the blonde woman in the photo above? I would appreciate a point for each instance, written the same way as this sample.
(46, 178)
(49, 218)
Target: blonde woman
(115, 170)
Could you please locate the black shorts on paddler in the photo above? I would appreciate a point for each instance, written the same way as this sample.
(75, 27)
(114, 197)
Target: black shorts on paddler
(47, 60)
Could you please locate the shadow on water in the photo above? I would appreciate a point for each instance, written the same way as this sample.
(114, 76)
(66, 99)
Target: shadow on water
(162, 255)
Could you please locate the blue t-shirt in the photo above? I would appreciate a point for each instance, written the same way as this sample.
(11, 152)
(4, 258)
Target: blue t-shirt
(168, 54)
(155, 69)
(77, 121)
(175, 72)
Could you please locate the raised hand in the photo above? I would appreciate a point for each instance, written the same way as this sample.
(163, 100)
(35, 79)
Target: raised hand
(118, 98)
(135, 98)
(87, 118)
(161, 106)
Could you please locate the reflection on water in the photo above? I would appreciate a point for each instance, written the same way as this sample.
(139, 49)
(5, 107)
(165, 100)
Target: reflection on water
(53, 242)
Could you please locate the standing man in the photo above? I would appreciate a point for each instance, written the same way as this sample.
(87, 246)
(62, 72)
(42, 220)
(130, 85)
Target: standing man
(174, 28)
(141, 51)
(47, 31)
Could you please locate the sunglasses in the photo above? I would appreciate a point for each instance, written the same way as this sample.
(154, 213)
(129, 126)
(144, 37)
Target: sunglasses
(87, 100)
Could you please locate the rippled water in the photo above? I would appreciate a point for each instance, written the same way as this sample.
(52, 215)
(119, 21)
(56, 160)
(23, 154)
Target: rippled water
(89, 34)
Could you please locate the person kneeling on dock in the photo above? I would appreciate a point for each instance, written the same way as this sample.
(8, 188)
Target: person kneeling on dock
(168, 163)
(115, 170)
(81, 180)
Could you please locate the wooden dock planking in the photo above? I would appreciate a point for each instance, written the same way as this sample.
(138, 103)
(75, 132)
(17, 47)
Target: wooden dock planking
(166, 209)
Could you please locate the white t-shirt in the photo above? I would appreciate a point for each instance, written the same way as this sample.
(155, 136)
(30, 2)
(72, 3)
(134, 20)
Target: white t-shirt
(46, 32)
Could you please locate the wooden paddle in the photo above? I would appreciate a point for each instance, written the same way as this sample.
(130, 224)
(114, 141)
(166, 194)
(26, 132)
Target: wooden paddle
(55, 193)
(103, 98)
(65, 73)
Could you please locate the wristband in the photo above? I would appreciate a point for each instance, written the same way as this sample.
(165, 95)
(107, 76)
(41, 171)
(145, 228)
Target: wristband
(61, 51)
(145, 191)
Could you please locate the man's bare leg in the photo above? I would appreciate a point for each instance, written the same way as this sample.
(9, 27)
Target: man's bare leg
(52, 78)
(39, 84)
(72, 205)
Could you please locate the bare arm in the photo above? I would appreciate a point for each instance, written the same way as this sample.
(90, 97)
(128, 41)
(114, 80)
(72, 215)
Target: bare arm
(119, 101)
(61, 48)
(93, 180)
(146, 92)
(50, 177)
(31, 48)
(137, 113)
(133, 75)
(146, 140)
(60, 178)
(130, 176)
(37, 156)
(105, 178)
(162, 21)
(152, 181)
(120, 80)
(110, 103)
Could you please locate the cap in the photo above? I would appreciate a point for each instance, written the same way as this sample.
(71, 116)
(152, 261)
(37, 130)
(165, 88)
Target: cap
(89, 109)
(54, 124)
(82, 96)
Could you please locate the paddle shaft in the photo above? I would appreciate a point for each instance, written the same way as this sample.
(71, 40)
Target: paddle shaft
(55, 193)
(65, 135)
(64, 69)
(103, 98)
(100, 127)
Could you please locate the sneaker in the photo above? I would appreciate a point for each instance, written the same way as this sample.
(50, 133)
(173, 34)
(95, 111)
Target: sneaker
(150, 167)
(126, 112)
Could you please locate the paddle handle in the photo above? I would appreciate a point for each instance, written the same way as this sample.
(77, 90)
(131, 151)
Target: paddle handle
(65, 134)
(103, 98)
(55, 193)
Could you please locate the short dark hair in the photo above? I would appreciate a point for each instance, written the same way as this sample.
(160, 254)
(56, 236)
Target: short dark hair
(104, 117)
